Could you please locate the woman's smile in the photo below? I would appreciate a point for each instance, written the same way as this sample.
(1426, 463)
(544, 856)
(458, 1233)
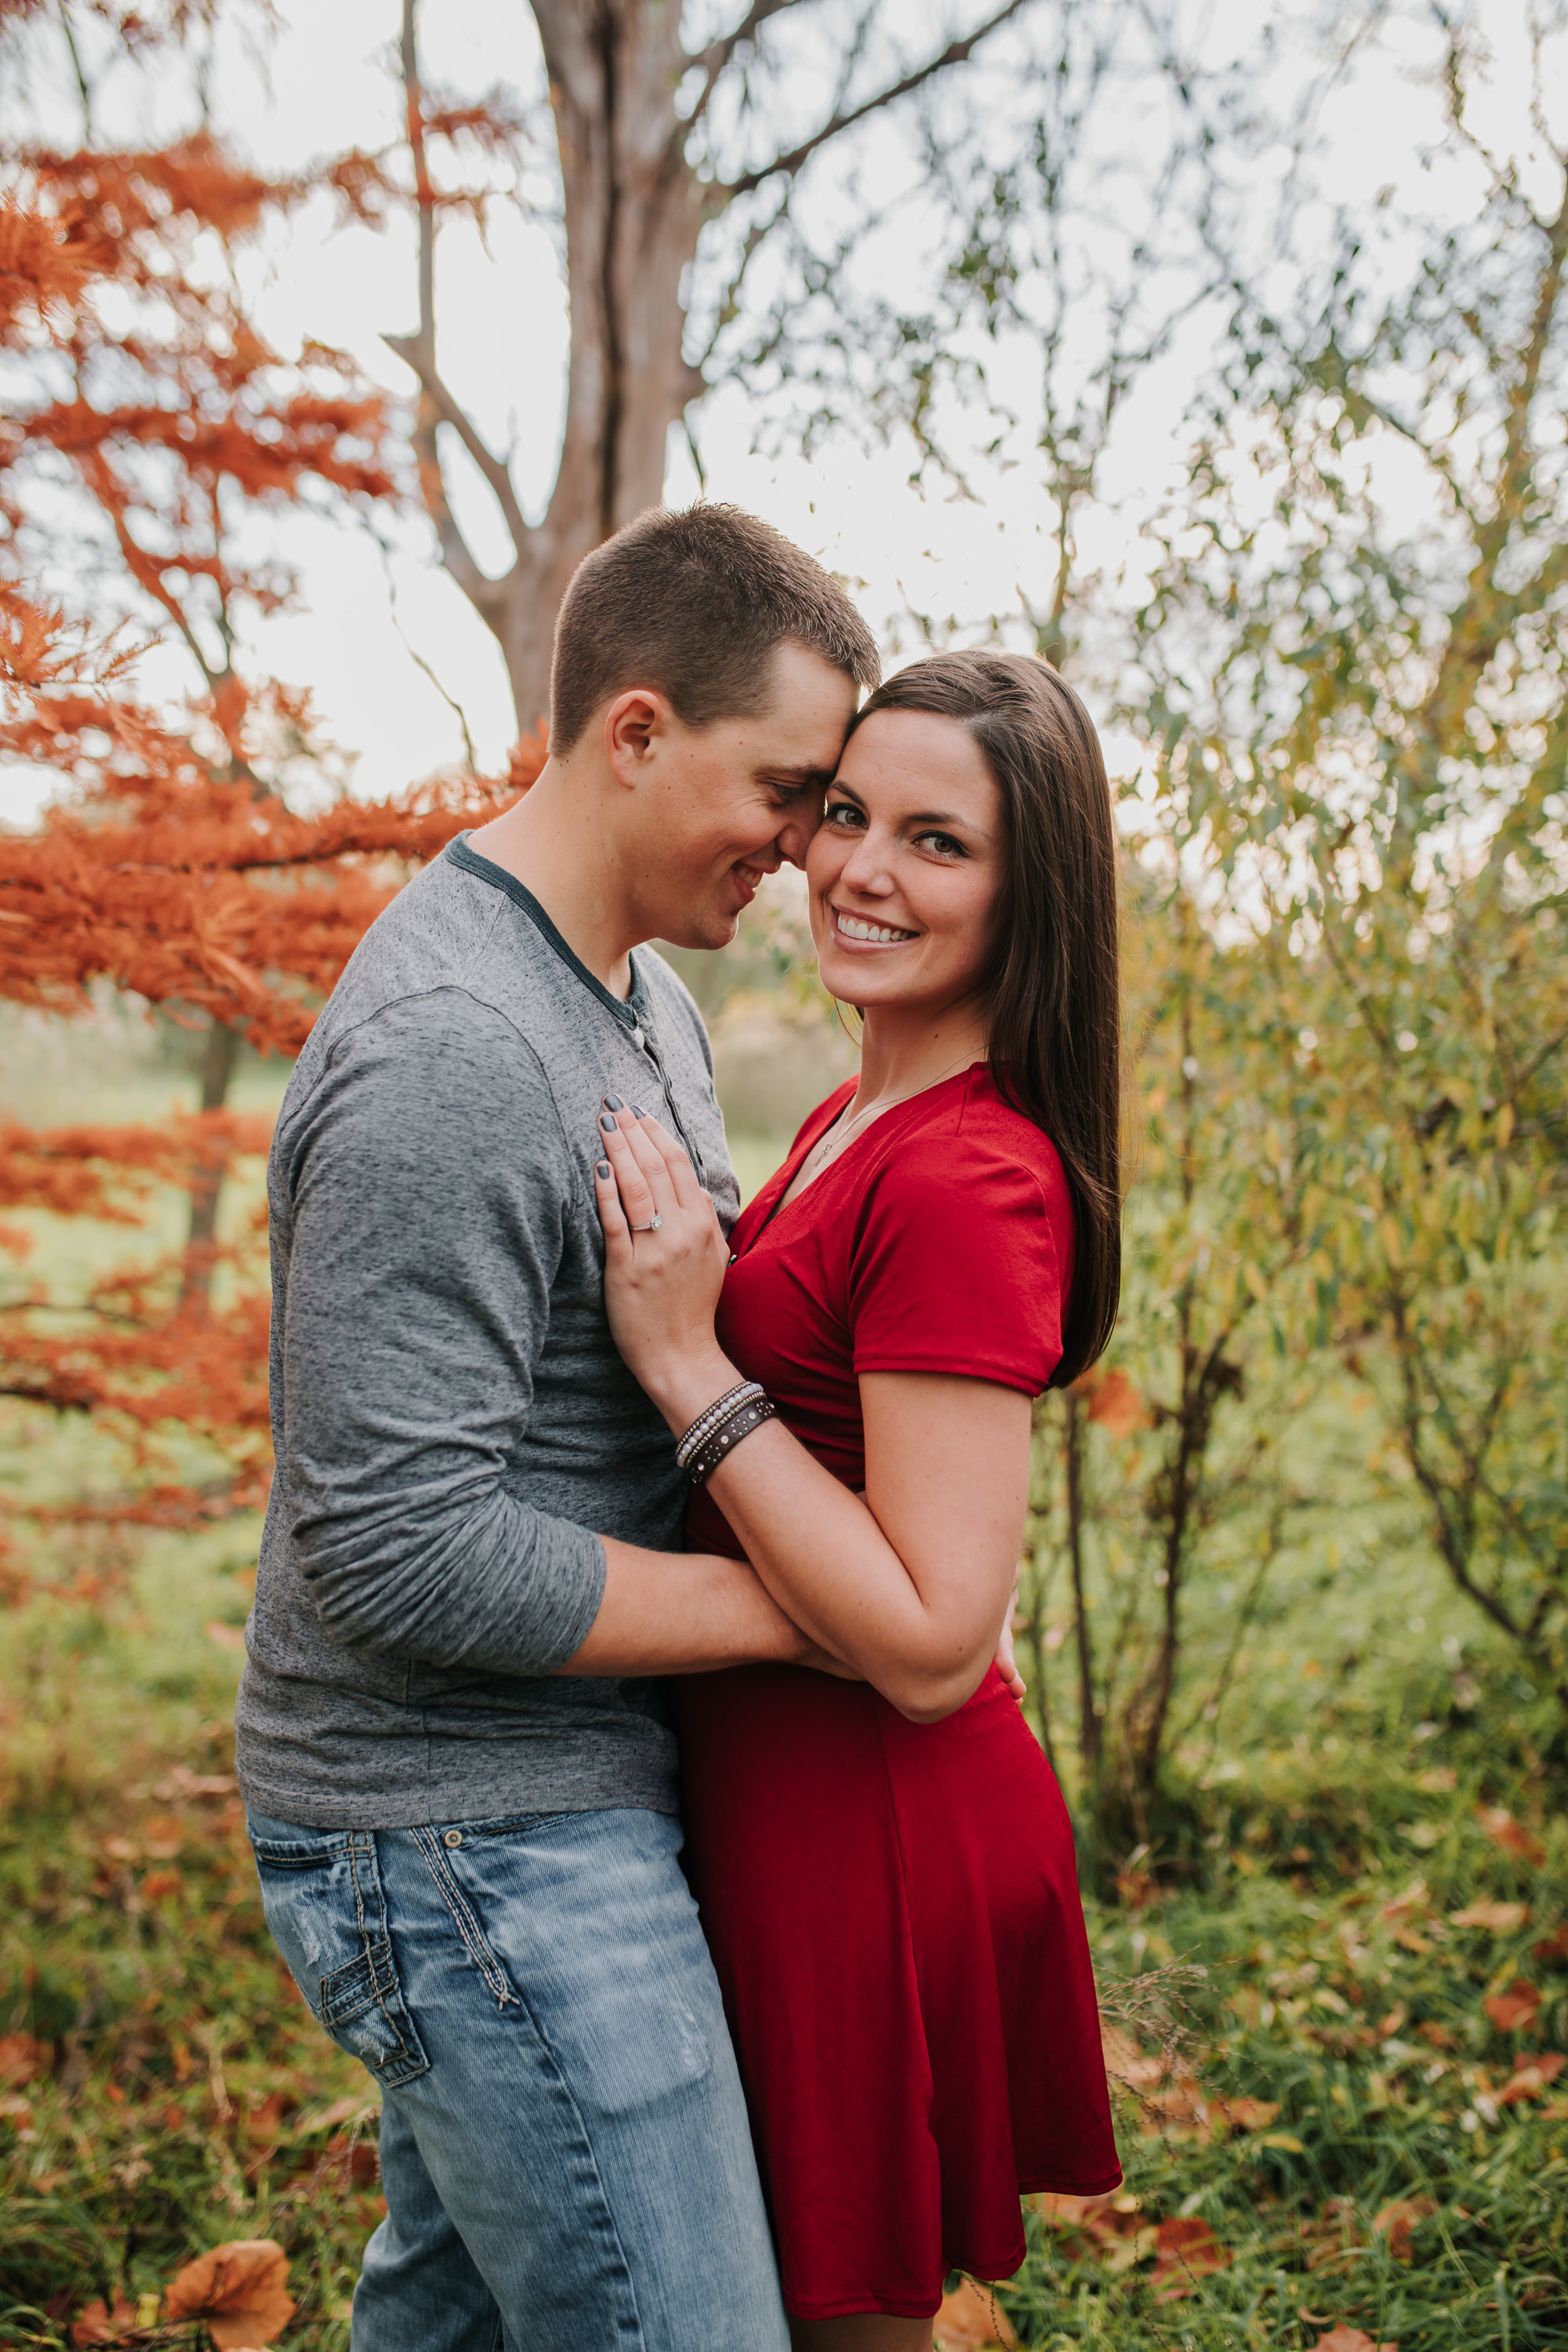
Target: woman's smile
(867, 930)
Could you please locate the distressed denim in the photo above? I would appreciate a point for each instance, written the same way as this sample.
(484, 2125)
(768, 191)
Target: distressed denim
(564, 2140)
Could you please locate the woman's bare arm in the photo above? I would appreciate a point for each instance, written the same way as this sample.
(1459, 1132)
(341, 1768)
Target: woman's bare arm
(911, 1585)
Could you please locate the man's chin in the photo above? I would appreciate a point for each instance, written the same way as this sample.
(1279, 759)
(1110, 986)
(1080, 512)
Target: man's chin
(710, 929)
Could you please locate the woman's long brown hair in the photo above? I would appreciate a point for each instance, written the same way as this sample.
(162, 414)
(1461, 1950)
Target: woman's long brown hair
(1054, 989)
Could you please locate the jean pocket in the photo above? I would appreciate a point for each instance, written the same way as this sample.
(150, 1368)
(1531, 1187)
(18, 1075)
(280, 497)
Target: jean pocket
(325, 1907)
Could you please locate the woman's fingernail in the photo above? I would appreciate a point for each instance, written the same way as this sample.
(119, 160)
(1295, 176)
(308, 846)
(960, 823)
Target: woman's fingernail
(613, 1102)
(607, 1122)
(637, 1111)
(604, 1168)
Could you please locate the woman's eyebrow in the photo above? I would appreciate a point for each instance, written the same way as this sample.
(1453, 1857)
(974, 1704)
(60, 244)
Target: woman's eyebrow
(949, 822)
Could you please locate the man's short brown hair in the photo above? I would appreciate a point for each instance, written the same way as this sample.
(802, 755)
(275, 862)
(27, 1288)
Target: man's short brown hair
(693, 602)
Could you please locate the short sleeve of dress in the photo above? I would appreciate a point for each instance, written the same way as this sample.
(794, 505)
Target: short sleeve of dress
(958, 1266)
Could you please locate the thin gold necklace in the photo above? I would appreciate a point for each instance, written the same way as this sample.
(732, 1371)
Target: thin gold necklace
(833, 1141)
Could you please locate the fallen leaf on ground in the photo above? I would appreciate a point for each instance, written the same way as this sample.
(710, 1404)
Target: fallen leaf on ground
(1183, 2252)
(163, 1835)
(239, 2289)
(969, 2320)
(99, 2324)
(1181, 2103)
(22, 2059)
(264, 2120)
(1108, 2228)
(1502, 1918)
(1398, 2222)
(1125, 2063)
(1510, 1836)
(1553, 1947)
(159, 1883)
(1515, 2010)
(1248, 2115)
(1352, 2339)
(1529, 2080)
(1066, 2211)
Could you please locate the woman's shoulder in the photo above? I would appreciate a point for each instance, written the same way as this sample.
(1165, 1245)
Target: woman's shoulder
(961, 1250)
(970, 1132)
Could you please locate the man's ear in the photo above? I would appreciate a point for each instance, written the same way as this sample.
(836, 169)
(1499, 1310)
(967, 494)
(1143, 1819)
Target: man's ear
(636, 723)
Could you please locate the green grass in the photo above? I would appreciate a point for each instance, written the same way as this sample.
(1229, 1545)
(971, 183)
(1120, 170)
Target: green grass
(184, 2096)
(1323, 1825)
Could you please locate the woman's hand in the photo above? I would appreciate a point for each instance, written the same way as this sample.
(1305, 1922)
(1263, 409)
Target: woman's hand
(661, 1283)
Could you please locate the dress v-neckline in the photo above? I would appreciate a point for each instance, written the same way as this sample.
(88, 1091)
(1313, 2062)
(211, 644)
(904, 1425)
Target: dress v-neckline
(785, 1176)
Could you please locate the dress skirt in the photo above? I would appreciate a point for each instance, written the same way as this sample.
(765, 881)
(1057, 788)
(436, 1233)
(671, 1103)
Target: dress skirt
(893, 1911)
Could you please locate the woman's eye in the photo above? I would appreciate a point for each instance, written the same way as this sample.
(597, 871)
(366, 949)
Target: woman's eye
(942, 842)
(842, 814)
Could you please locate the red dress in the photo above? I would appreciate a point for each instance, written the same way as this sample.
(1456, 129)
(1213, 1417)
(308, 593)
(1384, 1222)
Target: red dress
(892, 1908)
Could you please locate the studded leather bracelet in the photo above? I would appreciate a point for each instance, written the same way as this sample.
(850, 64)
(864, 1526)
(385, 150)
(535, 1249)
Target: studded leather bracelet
(723, 1441)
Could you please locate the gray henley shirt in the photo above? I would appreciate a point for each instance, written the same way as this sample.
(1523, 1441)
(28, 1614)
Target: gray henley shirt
(453, 1427)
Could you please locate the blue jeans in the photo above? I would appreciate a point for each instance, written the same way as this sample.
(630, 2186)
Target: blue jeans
(564, 2140)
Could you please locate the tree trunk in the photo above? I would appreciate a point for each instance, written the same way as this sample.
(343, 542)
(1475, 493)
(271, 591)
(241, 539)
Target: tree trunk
(1088, 1723)
(633, 208)
(219, 1055)
(633, 212)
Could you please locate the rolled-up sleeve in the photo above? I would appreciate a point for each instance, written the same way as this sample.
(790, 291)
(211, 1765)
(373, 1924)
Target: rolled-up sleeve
(428, 1182)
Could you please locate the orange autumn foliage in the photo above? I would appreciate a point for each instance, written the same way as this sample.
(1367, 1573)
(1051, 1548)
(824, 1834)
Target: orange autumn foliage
(175, 863)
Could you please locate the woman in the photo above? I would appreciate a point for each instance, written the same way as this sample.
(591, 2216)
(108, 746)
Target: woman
(884, 1865)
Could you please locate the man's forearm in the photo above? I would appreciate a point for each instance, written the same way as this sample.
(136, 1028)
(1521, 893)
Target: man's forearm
(684, 1613)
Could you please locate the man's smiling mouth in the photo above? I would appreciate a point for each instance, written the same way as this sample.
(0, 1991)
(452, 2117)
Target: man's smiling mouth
(856, 927)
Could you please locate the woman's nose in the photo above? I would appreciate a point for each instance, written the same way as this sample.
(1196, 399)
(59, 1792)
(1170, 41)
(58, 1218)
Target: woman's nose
(866, 867)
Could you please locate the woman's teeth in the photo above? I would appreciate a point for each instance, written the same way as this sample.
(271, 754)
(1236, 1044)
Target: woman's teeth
(854, 929)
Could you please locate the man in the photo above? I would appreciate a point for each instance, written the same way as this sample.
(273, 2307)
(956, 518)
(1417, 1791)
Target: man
(461, 1791)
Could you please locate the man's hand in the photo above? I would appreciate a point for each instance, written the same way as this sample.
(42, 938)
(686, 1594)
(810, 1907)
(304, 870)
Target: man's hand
(1006, 1665)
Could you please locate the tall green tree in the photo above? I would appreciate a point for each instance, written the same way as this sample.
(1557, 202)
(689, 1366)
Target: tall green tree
(1357, 650)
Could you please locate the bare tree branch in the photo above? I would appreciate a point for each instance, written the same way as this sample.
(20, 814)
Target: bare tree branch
(437, 404)
(956, 53)
(717, 54)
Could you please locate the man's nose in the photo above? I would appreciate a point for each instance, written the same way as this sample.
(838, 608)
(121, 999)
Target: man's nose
(794, 837)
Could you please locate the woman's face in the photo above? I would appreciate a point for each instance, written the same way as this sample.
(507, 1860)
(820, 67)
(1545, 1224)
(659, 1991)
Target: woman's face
(906, 868)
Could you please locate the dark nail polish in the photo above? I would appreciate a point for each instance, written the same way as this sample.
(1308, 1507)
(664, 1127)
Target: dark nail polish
(613, 1102)
(637, 1111)
(607, 1122)
(603, 1168)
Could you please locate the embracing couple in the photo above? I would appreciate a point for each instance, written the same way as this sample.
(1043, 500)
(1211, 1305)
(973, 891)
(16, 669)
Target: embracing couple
(629, 1735)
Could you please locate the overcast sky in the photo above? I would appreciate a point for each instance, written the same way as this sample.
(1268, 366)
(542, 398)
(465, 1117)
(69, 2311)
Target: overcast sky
(323, 85)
